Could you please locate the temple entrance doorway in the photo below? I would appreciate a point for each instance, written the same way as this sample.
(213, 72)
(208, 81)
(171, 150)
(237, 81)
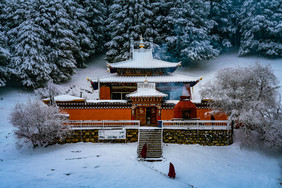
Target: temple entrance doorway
(151, 116)
(147, 116)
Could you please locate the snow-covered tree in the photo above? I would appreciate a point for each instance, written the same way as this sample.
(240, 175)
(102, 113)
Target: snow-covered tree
(161, 10)
(29, 59)
(87, 18)
(26, 39)
(60, 38)
(261, 28)
(250, 97)
(4, 59)
(38, 124)
(50, 91)
(95, 15)
(128, 19)
(190, 40)
(224, 14)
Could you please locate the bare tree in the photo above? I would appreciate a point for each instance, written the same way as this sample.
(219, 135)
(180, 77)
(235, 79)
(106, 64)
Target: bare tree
(50, 91)
(251, 99)
(38, 123)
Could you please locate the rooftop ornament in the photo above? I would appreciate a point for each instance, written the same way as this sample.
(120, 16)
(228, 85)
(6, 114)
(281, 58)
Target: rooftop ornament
(141, 44)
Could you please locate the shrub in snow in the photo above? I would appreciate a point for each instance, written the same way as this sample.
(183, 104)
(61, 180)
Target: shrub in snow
(50, 91)
(251, 99)
(38, 123)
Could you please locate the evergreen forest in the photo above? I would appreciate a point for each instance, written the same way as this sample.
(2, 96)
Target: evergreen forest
(43, 40)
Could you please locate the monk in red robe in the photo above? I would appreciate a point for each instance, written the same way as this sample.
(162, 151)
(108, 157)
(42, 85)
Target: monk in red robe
(171, 172)
(144, 151)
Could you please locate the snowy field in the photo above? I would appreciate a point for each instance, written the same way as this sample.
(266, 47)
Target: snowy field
(115, 165)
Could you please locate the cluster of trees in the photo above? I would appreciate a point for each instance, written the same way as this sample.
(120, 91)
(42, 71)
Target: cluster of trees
(251, 99)
(192, 30)
(47, 39)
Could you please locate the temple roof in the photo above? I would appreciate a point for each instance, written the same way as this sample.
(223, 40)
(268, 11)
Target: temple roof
(146, 90)
(170, 78)
(143, 59)
(65, 98)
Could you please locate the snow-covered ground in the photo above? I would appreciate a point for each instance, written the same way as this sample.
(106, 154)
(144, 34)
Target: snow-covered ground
(115, 165)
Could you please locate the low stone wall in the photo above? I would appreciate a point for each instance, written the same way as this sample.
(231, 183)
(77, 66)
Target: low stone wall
(91, 135)
(202, 137)
(131, 135)
(175, 136)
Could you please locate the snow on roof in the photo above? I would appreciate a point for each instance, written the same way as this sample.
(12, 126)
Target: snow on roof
(170, 78)
(176, 101)
(106, 101)
(146, 90)
(65, 98)
(143, 59)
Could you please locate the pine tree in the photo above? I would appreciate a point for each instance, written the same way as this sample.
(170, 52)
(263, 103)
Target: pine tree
(60, 41)
(4, 59)
(4, 51)
(190, 40)
(128, 19)
(261, 28)
(29, 55)
(26, 39)
(87, 17)
(95, 15)
(224, 29)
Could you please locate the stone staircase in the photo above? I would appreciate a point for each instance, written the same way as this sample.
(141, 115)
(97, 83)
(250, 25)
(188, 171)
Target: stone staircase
(153, 138)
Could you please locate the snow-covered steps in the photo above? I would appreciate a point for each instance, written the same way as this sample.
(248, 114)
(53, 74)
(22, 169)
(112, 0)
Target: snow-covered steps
(153, 139)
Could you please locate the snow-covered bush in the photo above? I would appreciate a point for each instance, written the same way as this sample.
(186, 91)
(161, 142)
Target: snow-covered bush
(38, 123)
(251, 99)
(50, 91)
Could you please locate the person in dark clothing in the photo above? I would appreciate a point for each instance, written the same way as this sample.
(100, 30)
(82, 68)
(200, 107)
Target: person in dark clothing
(144, 151)
(171, 172)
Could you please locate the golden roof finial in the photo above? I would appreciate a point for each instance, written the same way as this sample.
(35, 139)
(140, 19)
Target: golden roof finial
(146, 79)
(141, 43)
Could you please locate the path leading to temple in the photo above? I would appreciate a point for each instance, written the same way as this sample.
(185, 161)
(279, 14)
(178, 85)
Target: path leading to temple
(152, 137)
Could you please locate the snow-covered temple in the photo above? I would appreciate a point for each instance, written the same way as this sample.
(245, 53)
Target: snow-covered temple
(140, 67)
(143, 100)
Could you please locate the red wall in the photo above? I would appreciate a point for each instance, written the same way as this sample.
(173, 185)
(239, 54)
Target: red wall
(203, 114)
(99, 114)
(167, 114)
(125, 114)
(105, 93)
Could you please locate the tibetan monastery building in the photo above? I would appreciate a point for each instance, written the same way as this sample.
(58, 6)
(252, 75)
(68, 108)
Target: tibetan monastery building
(145, 92)
(142, 66)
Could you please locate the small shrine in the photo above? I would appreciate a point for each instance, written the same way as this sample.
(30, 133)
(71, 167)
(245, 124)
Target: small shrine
(146, 103)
